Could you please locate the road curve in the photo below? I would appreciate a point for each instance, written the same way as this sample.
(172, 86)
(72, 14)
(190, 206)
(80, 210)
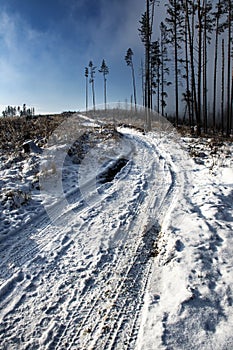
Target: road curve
(79, 282)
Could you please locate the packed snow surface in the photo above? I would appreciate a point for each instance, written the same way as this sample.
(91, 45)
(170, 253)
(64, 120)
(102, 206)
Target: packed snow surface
(129, 247)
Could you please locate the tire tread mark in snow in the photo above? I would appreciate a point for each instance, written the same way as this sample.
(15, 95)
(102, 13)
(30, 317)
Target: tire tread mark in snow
(134, 284)
(123, 313)
(115, 328)
(125, 318)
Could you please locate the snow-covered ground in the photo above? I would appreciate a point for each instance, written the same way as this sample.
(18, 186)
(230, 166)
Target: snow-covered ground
(128, 246)
(189, 302)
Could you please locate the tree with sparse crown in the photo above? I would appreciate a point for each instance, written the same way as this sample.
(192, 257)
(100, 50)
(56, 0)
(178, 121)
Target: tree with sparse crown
(105, 70)
(86, 75)
(129, 61)
(92, 81)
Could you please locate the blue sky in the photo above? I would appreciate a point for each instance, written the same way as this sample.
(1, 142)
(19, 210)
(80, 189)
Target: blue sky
(46, 44)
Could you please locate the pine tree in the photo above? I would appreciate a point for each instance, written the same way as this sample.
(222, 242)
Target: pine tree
(190, 10)
(199, 61)
(104, 69)
(24, 109)
(174, 19)
(229, 70)
(145, 37)
(231, 102)
(143, 83)
(145, 31)
(207, 35)
(219, 28)
(92, 81)
(129, 61)
(223, 87)
(86, 75)
(187, 94)
(164, 68)
(155, 70)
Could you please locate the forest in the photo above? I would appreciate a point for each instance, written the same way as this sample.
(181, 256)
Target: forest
(189, 62)
(194, 55)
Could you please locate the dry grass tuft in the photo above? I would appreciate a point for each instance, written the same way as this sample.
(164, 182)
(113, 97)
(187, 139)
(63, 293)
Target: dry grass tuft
(14, 131)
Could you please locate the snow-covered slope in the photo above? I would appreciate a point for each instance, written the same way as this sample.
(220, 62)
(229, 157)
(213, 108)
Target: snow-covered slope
(136, 258)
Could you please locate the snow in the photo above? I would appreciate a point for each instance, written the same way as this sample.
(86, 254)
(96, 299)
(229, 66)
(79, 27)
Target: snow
(141, 261)
(189, 301)
(227, 176)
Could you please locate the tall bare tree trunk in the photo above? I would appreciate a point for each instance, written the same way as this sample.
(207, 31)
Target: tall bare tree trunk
(231, 108)
(205, 117)
(93, 93)
(215, 68)
(223, 86)
(147, 58)
(187, 73)
(229, 69)
(176, 66)
(134, 87)
(158, 88)
(143, 84)
(92, 81)
(162, 72)
(86, 94)
(200, 30)
(86, 75)
(105, 92)
(192, 65)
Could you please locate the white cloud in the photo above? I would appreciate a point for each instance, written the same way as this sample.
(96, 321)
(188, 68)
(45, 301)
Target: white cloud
(41, 62)
(115, 29)
(7, 31)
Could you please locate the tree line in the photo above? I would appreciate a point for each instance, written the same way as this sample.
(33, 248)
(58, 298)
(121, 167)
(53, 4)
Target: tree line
(191, 54)
(191, 31)
(11, 111)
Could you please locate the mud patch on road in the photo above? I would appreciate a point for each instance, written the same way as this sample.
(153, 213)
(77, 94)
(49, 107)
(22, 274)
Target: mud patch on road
(115, 166)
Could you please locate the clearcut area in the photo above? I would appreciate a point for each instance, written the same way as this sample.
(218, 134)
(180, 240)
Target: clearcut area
(116, 238)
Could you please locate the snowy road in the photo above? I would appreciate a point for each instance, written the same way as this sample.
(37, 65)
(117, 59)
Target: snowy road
(126, 243)
(79, 282)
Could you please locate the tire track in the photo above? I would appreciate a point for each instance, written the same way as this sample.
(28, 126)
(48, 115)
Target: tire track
(36, 235)
(123, 329)
(95, 302)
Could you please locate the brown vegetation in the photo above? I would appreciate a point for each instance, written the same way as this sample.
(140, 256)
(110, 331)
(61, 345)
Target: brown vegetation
(14, 131)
